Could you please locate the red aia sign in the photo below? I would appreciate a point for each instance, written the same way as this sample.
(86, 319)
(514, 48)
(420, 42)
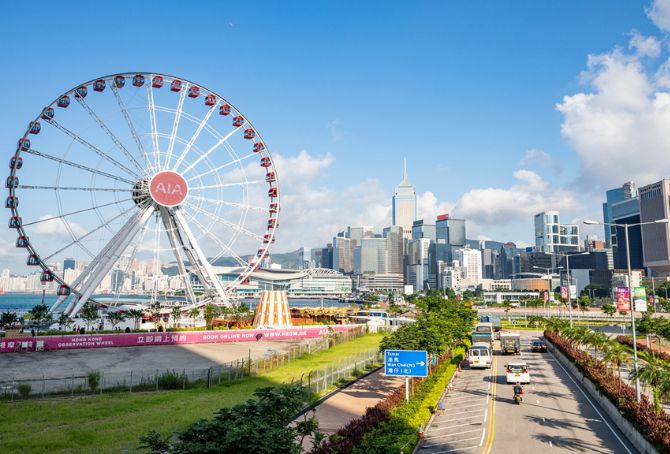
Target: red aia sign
(168, 188)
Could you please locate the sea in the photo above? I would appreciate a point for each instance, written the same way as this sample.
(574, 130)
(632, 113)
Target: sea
(21, 303)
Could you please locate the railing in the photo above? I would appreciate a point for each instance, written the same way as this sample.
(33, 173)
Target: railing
(180, 379)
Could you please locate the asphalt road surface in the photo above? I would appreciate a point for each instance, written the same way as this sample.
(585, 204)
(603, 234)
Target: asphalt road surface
(556, 415)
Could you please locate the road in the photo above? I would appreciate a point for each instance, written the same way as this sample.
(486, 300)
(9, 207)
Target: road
(556, 415)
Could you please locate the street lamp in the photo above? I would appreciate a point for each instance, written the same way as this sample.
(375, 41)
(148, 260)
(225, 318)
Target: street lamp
(630, 293)
(547, 272)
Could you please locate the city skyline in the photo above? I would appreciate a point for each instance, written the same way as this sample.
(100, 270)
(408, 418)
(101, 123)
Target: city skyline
(536, 156)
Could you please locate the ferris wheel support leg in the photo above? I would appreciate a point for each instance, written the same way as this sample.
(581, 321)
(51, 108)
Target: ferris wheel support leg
(215, 282)
(82, 277)
(129, 230)
(190, 255)
(170, 230)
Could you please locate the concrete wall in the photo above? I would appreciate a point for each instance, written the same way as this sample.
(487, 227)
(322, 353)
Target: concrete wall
(631, 433)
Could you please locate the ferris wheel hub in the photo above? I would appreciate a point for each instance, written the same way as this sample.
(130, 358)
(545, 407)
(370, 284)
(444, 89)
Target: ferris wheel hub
(168, 188)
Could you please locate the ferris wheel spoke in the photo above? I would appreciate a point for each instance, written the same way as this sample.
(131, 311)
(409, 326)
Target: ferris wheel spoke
(103, 263)
(108, 131)
(175, 125)
(226, 203)
(221, 167)
(186, 231)
(214, 238)
(171, 231)
(86, 235)
(73, 188)
(195, 136)
(26, 224)
(227, 223)
(212, 148)
(92, 147)
(77, 166)
(227, 185)
(130, 124)
(154, 128)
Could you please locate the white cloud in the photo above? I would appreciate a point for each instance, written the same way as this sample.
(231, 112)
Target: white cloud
(302, 166)
(540, 158)
(501, 206)
(619, 127)
(57, 227)
(644, 46)
(659, 13)
(429, 207)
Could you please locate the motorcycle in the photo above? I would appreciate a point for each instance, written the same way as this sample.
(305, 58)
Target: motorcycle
(518, 392)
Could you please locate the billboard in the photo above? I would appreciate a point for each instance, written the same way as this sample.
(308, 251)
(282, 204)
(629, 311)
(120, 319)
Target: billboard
(640, 299)
(564, 292)
(622, 299)
(573, 291)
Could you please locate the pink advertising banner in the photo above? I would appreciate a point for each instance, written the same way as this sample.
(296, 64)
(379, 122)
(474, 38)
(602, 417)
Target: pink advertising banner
(139, 339)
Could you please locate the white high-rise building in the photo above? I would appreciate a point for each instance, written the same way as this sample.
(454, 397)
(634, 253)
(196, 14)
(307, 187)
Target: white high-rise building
(471, 266)
(404, 205)
(552, 236)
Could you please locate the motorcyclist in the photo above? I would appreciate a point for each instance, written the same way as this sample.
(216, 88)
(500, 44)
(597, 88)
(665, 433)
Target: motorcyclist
(518, 389)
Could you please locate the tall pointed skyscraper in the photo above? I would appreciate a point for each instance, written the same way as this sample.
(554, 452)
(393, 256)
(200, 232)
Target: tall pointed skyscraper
(404, 204)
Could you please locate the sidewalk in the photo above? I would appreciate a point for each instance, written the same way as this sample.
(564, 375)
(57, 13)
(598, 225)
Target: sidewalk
(351, 402)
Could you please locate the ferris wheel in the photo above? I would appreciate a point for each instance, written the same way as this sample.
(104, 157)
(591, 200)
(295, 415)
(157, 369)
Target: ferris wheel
(144, 183)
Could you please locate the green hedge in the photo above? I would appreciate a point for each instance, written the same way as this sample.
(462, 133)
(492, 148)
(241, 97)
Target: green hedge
(401, 431)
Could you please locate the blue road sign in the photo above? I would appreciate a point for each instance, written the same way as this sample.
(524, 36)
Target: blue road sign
(406, 363)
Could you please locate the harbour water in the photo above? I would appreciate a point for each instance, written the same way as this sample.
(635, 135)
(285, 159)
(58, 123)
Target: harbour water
(23, 302)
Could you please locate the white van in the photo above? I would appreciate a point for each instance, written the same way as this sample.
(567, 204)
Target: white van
(517, 372)
(479, 355)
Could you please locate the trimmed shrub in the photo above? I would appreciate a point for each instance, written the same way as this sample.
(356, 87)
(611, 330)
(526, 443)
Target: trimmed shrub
(640, 346)
(93, 379)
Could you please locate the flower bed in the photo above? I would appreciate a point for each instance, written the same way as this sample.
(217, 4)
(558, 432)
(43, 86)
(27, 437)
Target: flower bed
(640, 346)
(654, 427)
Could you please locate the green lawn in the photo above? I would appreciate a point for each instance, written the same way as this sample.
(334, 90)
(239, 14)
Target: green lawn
(114, 422)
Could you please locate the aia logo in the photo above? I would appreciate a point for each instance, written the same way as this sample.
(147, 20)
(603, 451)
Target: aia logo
(168, 188)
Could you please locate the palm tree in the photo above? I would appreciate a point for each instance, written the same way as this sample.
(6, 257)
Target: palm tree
(664, 386)
(651, 373)
(64, 321)
(193, 314)
(175, 314)
(209, 313)
(615, 356)
(90, 314)
(136, 315)
(115, 318)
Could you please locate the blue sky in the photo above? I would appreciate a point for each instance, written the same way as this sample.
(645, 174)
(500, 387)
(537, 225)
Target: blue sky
(342, 91)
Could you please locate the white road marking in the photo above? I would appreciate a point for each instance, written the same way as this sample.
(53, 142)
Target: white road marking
(550, 445)
(538, 402)
(462, 418)
(451, 435)
(483, 434)
(468, 411)
(486, 414)
(458, 425)
(453, 450)
(594, 407)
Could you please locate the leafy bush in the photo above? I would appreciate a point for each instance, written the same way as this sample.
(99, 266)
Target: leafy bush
(654, 427)
(171, 379)
(93, 379)
(24, 389)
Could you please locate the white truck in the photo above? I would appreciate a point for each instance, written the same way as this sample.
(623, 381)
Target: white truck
(510, 343)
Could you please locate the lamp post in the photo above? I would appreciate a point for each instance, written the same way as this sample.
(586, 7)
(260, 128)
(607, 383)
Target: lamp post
(630, 290)
(547, 271)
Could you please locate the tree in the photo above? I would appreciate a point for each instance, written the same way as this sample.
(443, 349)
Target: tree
(193, 314)
(615, 356)
(507, 304)
(64, 321)
(175, 314)
(115, 318)
(651, 373)
(89, 313)
(209, 313)
(609, 309)
(136, 315)
(584, 303)
(39, 313)
(155, 311)
(260, 426)
(8, 318)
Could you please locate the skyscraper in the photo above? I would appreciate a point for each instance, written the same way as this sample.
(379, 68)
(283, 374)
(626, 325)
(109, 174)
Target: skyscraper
(654, 206)
(404, 205)
(450, 234)
(552, 236)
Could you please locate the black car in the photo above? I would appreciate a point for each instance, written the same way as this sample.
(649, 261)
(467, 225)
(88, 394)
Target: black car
(538, 346)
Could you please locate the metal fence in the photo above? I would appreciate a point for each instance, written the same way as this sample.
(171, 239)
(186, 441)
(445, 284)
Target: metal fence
(94, 381)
